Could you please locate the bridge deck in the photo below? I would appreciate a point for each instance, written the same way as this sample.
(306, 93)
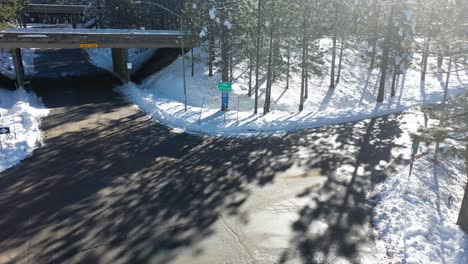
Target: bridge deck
(104, 38)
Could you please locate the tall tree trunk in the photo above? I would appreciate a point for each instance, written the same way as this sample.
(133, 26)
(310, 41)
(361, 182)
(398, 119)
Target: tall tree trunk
(332, 70)
(447, 80)
(288, 68)
(373, 53)
(257, 70)
(425, 58)
(340, 62)
(193, 64)
(440, 62)
(266, 108)
(224, 51)
(306, 82)
(463, 216)
(250, 73)
(386, 51)
(304, 40)
(211, 53)
(231, 66)
(396, 69)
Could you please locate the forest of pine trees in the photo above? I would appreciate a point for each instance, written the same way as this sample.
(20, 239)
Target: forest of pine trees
(277, 37)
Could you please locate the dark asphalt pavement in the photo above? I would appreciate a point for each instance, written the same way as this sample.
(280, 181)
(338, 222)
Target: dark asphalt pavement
(113, 186)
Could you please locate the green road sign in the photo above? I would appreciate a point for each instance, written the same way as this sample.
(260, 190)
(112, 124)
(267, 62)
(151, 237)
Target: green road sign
(225, 86)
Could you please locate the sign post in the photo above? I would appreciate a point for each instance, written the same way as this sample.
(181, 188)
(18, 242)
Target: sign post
(225, 88)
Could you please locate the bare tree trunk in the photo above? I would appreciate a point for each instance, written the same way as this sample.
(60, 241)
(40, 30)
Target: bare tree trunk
(332, 70)
(447, 80)
(373, 53)
(340, 62)
(396, 69)
(231, 66)
(257, 70)
(440, 62)
(463, 216)
(424, 59)
(224, 52)
(301, 101)
(288, 68)
(211, 54)
(266, 108)
(306, 83)
(384, 63)
(250, 73)
(193, 64)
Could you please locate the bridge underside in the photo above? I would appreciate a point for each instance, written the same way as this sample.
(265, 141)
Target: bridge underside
(119, 40)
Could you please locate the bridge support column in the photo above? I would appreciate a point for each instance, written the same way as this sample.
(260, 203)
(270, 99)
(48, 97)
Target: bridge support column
(119, 63)
(19, 66)
(74, 21)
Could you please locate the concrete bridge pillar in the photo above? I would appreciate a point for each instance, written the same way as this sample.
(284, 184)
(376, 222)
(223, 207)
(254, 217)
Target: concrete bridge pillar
(119, 62)
(74, 21)
(19, 66)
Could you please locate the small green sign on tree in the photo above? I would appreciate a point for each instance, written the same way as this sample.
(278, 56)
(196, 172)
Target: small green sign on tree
(225, 86)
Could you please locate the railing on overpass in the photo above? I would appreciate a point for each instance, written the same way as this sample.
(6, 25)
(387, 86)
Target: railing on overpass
(56, 9)
(103, 38)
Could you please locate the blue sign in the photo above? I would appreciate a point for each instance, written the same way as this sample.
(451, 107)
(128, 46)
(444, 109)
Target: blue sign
(224, 101)
(4, 130)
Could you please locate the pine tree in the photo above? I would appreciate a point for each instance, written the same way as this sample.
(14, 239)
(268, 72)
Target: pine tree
(10, 11)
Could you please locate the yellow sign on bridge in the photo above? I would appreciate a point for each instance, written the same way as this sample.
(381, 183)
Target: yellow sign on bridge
(89, 46)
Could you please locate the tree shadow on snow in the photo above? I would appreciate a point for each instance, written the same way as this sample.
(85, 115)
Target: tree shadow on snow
(129, 190)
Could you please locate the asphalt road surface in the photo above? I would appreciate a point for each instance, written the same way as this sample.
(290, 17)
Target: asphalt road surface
(111, 185)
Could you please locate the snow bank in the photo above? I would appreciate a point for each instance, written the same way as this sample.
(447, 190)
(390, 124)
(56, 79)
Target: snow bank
(161, 96)
(415, 218)
(102, 58)
(21, 112)
(6, 62)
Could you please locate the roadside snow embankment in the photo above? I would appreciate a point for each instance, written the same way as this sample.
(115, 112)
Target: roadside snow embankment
(415, 220)
(21, 112)
(162, 96)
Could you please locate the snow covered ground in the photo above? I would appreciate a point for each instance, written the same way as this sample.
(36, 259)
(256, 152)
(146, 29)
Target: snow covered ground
(161, 96)
(416, 217)
(21, 112)
(102, 58)
(6, 62)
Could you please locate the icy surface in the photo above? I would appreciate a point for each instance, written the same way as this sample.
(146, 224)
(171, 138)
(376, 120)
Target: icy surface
(162, 97)
(21, 112)
(415, 220)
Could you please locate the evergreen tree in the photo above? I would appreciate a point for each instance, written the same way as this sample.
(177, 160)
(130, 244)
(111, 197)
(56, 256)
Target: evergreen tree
(10, 11)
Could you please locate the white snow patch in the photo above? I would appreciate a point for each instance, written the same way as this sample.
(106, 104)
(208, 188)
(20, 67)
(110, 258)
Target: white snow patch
(415, 220)
(161, 96)
(21, 112)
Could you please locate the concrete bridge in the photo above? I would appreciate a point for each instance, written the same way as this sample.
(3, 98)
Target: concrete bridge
(119, 40)
(72, 12)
